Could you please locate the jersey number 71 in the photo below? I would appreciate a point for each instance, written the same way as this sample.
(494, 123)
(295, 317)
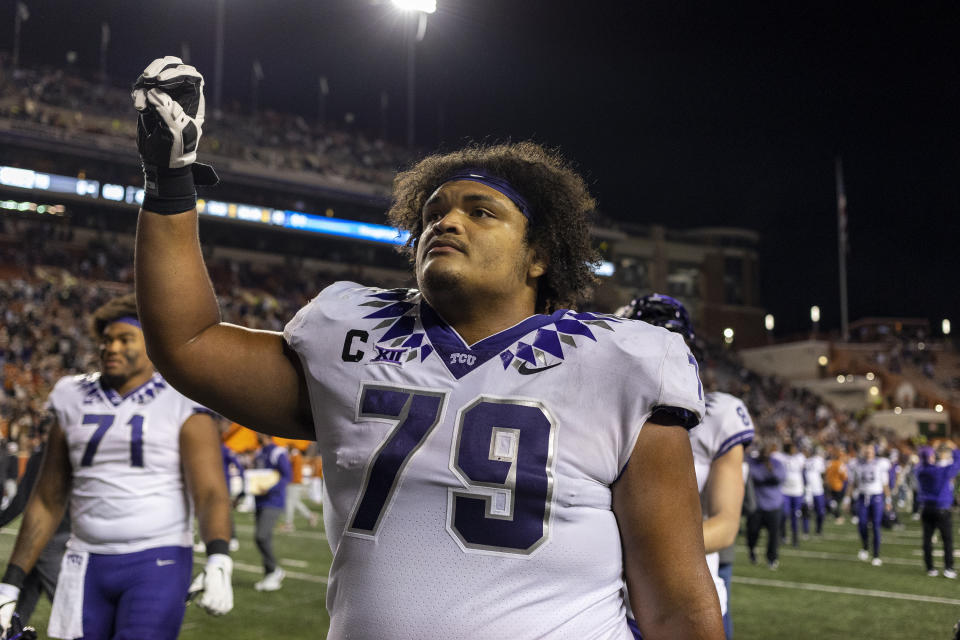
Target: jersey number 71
(104, 421)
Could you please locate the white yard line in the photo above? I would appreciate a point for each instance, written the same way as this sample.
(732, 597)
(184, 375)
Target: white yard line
(290, 562)
(826, 588)
(823, 555)
(250, 568)
(310, 535)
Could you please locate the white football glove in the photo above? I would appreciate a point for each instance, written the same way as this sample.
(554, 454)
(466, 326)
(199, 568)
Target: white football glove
(212, 588)
(169, 96)
(8, 603)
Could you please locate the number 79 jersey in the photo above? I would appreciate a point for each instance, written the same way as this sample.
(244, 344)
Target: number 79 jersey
(128, 493)
(467, 488)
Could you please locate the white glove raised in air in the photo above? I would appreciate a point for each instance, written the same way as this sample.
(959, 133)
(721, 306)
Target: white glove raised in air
(169, 97)
(8, 603)
(211, 589)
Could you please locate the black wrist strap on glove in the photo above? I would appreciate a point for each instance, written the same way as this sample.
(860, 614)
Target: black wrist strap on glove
(218, 546)
(14, 575)
(170, 191)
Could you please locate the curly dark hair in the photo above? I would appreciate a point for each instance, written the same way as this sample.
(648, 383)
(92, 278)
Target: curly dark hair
(557, 195)
(116, 308)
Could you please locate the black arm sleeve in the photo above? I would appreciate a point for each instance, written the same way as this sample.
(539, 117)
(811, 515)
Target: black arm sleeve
(19, 502)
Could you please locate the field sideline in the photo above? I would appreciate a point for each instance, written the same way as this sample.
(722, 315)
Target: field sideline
(820, 590)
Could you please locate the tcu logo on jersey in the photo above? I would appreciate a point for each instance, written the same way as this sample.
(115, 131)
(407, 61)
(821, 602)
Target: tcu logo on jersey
(74, 559)
(462, 358)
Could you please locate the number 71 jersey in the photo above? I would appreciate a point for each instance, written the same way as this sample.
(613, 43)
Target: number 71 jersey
(128, 492)
(467, 487)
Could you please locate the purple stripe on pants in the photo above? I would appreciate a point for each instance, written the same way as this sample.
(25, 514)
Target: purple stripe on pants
(870, 507)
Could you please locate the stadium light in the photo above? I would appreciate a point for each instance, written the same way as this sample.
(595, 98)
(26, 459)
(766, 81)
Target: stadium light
(424, 6)
(768, 322)
(822, 361)
(874, 391)
(897, 410)
(815, 313)
(871, 375)
(945, 326)
(938, 408)
(419, 10)
(841, 379)
(728, 336)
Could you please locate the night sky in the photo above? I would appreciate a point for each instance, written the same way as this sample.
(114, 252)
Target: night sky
(711, 115)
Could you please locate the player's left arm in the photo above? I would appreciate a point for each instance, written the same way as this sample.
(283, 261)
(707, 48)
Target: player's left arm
(724, 493)
(203, 469)
(657, 507)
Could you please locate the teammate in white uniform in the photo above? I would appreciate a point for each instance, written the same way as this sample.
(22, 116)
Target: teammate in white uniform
(870, 483)
(128, 452)
(493, 464)
(718, 443)
(793, 488)
(813, 495)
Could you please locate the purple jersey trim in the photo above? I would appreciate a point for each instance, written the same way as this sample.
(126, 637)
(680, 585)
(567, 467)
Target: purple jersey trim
(114, 398)
(743, 437)
(450, 346)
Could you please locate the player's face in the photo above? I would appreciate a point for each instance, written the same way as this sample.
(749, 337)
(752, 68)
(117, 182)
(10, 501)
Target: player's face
(123, 353)
(473, 245)
(868, 453)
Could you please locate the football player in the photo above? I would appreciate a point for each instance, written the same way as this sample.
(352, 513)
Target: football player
(793, 488)
(132, 457)
(869, 482)
(717, 443)
(493, 462)
(813, 497)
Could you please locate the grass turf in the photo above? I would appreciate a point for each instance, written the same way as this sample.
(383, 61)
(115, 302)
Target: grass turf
(821, 590)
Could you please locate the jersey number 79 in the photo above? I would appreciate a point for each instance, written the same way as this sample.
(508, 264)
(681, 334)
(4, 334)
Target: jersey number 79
(503, 454)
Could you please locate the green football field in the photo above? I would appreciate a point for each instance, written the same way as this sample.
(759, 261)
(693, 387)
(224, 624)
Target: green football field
(820, 591)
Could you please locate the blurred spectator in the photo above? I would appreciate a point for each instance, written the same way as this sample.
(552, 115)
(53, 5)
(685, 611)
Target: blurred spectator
(270, 506)
(766, 476)
(935, 481)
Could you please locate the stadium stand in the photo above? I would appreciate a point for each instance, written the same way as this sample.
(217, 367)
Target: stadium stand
(65, 102)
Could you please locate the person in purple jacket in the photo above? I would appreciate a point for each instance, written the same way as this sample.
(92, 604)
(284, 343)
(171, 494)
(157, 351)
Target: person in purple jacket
(766, 475)
(269, 509)
(935, 482)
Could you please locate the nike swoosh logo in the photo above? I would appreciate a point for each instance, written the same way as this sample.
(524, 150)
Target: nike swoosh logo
(524, 370)
(163, 563)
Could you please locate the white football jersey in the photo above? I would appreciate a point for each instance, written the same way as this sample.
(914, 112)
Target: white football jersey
(871, 477)
(128, 492)
(725, 425)
(793, 464)
(814, 469)
(467, 488)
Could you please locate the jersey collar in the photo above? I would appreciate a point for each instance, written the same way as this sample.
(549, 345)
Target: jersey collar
(461, 358)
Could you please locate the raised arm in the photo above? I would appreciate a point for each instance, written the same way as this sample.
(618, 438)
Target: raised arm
(252, 377)
(724, 502)
(249, 376)
(657, 507)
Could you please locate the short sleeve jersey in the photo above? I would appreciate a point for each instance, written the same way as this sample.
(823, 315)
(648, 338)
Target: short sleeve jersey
(814, 469)
(467, 488)
(871, 477)
(128, 492)
(793, 482)
(726, 425)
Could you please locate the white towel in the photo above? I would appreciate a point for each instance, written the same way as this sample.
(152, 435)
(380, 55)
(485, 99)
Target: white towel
(66, 617)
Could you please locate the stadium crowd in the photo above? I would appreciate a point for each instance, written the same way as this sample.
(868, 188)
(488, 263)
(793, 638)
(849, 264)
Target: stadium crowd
(66, 102)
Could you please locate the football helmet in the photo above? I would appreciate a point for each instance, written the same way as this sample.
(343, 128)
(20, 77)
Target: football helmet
(662, 311)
